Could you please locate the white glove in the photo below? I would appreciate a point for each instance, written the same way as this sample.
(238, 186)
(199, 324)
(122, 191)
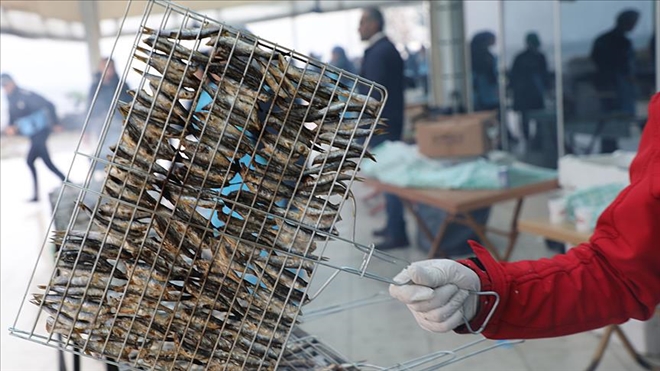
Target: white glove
(437, 294)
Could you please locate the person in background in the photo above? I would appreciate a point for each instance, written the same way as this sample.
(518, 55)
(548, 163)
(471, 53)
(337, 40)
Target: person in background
(99, 109)
(383, 64)
(423, 69)
(314, 64)
(340, 60)
(33, 116)
(653, 58)
(609, 280)
(529, 81)
(411, 68)
(614, 58)
(484, 72)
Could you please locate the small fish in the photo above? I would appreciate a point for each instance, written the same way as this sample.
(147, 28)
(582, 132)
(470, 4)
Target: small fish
(240, 47)
(172, 89)
(186, 33)
(162, 102)
(320, 170)
(163, 44)
(173, 68)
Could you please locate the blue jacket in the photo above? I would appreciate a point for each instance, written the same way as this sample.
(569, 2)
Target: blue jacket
(382, 63)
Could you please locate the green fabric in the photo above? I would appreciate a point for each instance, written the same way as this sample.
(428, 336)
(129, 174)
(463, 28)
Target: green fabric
(401, 164)
(596, 198)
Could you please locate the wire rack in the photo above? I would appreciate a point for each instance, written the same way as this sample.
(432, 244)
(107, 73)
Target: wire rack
(197, 248)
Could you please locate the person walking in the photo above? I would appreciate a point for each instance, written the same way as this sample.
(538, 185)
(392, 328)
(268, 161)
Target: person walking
(383, 64)
(33, 116)
(529, 81)
(484, 72)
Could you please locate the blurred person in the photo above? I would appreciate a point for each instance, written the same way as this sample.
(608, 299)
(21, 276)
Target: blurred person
(614, 58)
(609, 280)
(411, 68)
(423, 69)
(529, 81)
(314, 62)
(99, 111)
(383, 64)
(35, 117)
(484, 72)
(653, 57)
(652, 50)
(340, 60)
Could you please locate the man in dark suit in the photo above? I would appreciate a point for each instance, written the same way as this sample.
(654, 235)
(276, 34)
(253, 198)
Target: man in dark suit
(383, 64)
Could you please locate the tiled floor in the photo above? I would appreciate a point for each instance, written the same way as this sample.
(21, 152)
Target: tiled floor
(381, 334)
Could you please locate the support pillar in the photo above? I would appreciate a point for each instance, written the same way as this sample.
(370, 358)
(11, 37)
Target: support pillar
(448, 71)
(90, 18)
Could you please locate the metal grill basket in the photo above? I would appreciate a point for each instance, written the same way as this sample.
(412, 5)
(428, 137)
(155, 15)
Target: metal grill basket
(197, 247)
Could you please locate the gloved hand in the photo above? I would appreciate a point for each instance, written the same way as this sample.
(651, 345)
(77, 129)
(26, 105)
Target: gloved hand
(437, 294)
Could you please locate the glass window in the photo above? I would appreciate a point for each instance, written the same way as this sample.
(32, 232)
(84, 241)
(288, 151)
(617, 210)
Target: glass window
(530, 94)
(607, 72)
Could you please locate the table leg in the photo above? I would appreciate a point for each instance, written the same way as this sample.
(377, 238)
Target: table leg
(609, 330)
(480, 230)
(435, 245)
(513, 234)
(633, 353)
(435, 238)
(420, 222)
(60, 355)
(595, 360)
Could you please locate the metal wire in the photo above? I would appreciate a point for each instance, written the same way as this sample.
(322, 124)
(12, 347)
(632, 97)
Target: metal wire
(217, 204)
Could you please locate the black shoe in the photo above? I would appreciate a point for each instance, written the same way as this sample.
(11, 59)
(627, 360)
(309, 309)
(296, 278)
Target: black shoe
(34, 199)
(380, 232)
(390, 244)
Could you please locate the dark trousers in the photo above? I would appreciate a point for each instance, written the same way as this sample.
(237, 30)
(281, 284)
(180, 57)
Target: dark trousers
(524, 124)
(396, 225)
(38, 149)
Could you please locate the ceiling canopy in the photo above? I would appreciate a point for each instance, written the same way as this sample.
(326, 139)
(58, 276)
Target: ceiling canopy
(57, 19)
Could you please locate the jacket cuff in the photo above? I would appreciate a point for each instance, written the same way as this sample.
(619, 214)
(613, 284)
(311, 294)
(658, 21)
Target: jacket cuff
(490, 275)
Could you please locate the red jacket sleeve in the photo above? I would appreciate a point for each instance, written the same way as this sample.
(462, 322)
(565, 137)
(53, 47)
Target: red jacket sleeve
(611, 279)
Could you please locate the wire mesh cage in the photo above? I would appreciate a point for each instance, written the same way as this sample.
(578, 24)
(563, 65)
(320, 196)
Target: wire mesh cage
(222, 187)
(234, 159)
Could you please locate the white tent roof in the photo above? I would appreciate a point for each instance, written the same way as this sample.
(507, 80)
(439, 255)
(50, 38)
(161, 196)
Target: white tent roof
(64, 19)
(58, 19)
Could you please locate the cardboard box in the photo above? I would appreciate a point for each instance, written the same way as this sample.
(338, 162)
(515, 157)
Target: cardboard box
(456, 135)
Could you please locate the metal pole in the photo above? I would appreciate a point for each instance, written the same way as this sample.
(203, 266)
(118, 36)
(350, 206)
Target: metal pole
(90, 20)
(501, 66)
(436, 70)
(467, 67)
(559, 87)
(459, 46)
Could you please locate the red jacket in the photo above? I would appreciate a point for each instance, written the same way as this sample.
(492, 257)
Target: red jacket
(611, 279)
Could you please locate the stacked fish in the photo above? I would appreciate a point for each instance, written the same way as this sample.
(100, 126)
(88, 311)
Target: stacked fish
(210, 215)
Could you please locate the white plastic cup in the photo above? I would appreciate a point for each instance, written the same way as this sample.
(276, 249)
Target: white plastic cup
(583, 218)
(557, 208)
